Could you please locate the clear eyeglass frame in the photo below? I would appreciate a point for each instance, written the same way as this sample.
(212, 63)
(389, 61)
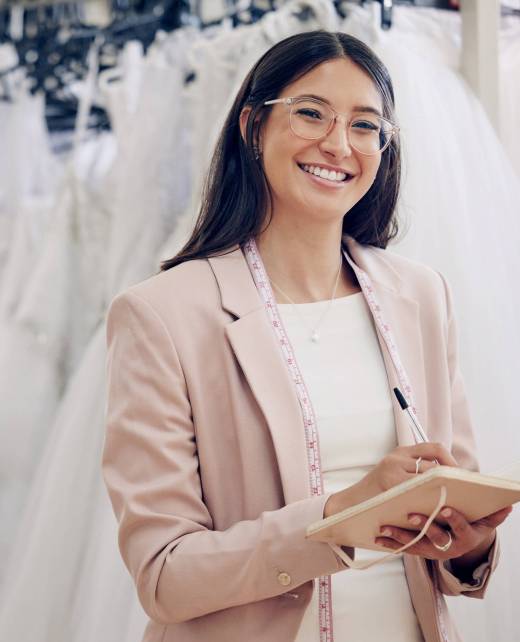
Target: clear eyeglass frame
(291, 101)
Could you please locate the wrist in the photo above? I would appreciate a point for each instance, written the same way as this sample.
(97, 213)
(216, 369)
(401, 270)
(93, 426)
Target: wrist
(343, 499)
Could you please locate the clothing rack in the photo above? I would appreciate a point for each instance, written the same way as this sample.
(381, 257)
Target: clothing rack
(52, 40)
(52, 53)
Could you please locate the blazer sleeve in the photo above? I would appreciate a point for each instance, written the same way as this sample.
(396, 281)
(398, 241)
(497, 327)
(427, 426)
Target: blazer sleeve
(464, 451)
(183, 568)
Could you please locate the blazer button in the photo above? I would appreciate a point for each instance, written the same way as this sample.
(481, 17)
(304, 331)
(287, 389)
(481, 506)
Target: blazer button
(284, 579)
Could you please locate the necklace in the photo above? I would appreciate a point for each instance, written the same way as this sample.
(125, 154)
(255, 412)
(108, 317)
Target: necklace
(313, 331)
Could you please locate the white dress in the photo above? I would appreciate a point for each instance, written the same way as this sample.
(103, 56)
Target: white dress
(52, 305)
(348, 386)
(27, 201)
(67, 538)
(30, 175)
(460, 206)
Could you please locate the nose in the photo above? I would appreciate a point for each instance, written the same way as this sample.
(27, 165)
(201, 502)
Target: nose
(336, 142)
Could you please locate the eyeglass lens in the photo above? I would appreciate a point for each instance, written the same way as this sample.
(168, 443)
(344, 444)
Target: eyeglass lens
(367, 133)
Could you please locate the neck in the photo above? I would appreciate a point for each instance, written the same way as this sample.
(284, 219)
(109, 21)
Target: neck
(304, 265)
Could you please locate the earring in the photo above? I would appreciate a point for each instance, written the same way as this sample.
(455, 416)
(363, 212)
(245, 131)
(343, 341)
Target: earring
(256, 151)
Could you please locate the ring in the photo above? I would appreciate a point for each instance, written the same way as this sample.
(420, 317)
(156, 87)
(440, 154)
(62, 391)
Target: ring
(417, 464)
(446, 546)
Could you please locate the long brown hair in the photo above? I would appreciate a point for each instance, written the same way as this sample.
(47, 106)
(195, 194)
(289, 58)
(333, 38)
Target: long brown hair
(235, 194)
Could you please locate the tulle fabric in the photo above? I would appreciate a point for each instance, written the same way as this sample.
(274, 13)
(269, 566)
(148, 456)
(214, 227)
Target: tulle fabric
(30, 175)
(71, 568)
(52, 302)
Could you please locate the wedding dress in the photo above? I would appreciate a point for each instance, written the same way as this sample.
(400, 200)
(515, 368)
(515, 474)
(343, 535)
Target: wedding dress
(27, 200)
(30, 175)
(50, 310)
(67, 537)
(459, 208)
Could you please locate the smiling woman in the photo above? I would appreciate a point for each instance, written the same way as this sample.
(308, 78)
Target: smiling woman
(236, 416)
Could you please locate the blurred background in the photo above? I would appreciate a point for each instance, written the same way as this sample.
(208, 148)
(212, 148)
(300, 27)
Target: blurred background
(109, 110)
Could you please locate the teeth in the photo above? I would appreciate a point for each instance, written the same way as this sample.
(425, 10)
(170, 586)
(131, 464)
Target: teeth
(336, 177)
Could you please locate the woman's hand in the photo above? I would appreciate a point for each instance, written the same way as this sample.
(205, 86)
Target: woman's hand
(469, 542)
(399, 465)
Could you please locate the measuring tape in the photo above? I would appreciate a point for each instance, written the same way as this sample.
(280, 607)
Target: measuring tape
(309, 420)
(261, 280)
(384, 329)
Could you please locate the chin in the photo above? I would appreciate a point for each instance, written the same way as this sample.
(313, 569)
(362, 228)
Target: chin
(325, 216)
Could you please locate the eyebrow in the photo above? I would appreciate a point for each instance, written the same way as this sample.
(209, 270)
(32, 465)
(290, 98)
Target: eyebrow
(360, 108)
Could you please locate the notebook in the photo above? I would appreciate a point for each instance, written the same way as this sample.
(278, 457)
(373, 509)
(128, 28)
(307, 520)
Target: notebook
(473, 494)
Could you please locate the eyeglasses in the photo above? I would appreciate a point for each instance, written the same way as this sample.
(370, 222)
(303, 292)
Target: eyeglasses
(312, 119)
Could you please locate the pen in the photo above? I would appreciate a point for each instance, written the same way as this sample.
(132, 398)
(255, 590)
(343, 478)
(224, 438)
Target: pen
(416, 426)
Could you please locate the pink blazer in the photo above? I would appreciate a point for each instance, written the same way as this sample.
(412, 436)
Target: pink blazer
(205, 459)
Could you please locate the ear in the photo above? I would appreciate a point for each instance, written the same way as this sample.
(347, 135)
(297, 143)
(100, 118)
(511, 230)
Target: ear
(244, 115)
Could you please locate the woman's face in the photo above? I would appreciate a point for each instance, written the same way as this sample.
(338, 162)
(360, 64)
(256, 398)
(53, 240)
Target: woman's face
(296, 193)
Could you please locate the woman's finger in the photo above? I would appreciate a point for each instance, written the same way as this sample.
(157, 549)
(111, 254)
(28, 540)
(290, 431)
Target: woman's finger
(458, 524)
(495, 519)
(393, 537)
(399, 541)
(462, 528)
(393, 545)
(436, 533)
(418, 465)
(431, 451)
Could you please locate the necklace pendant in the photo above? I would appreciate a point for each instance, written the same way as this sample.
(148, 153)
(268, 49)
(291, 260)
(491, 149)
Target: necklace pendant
(315, 337)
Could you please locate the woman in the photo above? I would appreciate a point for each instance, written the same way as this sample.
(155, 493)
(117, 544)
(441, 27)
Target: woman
(278, 332)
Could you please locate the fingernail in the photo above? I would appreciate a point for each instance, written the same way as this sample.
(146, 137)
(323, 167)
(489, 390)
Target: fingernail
(415, 520)
(386, 532)
(446, 512)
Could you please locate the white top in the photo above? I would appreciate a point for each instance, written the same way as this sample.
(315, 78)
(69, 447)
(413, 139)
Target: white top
(346, 379)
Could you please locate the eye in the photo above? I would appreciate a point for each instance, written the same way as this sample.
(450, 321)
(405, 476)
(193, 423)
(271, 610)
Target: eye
(307, 112)
(366, 125)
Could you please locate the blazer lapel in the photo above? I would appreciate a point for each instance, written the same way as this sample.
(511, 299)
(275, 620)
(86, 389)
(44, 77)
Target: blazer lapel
(254, 344)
